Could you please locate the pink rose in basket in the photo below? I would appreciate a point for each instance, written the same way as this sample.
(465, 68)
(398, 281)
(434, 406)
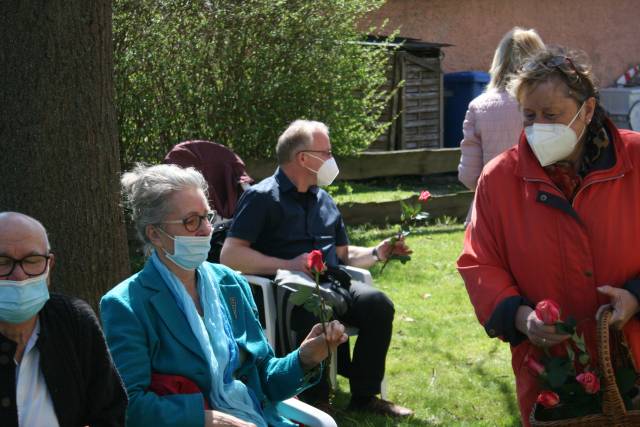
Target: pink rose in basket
(589, 381)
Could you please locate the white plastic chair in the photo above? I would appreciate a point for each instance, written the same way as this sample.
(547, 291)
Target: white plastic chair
(270, 316)
(300, 412)
(293, 409)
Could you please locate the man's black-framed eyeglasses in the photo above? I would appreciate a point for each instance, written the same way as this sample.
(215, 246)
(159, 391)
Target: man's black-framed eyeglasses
(32, 265)
(328, 153)
(193, 222)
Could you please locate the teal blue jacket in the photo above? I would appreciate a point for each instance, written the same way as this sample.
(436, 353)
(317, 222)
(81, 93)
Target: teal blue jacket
(147, 333)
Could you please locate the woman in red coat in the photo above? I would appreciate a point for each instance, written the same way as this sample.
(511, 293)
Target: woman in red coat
(556, 217)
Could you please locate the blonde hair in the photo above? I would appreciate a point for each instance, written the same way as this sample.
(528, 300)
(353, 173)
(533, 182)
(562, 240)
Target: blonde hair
(514, 48)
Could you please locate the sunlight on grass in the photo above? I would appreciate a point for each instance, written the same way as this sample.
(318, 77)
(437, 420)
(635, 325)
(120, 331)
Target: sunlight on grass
(388, 190)
(441, 362)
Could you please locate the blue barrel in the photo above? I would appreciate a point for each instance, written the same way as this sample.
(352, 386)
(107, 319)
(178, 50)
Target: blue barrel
(459, 89)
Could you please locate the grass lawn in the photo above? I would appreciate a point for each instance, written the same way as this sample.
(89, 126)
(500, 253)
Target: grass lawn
(391, 188)
(441, 362)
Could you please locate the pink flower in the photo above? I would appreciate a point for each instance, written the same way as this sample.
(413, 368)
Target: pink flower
(424, 196)
(533, 365)
(548, 311)
(548, 399)
(589, 382)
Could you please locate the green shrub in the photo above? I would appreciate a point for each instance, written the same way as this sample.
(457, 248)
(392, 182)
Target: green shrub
(237, 72)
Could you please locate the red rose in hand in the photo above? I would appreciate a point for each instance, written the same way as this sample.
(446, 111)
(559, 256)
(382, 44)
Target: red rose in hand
(535, 367)
(548, 399)
(424, 196)
(589, 382)
(315, 263)
(548, 311)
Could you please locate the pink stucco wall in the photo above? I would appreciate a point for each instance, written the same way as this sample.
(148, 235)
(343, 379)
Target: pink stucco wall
(607, 30)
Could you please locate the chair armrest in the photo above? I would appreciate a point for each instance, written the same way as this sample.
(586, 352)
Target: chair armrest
(297, 410)
(360, 274)
(269, 302)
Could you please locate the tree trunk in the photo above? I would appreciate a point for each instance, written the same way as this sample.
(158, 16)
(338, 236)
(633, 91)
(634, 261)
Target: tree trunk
(58, 137)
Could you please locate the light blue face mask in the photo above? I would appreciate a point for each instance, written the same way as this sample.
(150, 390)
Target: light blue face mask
(188, 251)
(21, 300)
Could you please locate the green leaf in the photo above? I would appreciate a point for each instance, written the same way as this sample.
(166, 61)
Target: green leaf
(579, 340)
(563, 328)
(584, 358)
(301, 296)
(570, 352)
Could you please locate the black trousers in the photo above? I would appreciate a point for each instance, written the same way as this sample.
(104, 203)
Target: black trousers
(371, 311)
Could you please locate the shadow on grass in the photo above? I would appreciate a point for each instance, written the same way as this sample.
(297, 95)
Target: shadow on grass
(364, 237)
(478, 369)
(358, 419)
(345, 418)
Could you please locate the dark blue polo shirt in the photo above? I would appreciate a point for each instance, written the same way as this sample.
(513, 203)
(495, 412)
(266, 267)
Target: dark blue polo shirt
(281, 222)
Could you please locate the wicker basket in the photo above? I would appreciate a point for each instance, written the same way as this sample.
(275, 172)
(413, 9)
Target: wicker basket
(614, 413)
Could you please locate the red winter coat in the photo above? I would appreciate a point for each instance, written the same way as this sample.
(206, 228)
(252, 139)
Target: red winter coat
(527, 240)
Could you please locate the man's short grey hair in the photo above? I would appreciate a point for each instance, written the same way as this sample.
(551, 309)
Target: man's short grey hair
(147, 189)
(298, 136)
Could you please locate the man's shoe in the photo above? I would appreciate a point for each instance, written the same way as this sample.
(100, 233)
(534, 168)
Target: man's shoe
(381, 407)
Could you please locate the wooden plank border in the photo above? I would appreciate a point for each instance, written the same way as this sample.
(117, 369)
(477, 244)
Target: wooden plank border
(426, 161)
(381, 213)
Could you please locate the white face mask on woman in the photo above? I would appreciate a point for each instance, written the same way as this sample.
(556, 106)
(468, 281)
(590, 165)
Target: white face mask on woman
(327, 172)
(552, 142)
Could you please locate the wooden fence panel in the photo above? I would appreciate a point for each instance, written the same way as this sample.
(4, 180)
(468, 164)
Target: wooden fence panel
(381, 213)
(379, 164)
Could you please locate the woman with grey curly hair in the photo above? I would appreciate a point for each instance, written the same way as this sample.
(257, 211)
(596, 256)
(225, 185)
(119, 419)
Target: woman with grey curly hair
(556, 218)
(184, 332)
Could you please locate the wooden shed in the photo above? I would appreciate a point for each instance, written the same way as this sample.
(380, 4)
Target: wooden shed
(417, 105)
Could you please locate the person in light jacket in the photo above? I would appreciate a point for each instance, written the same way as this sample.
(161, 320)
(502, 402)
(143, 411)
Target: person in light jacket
(493, 121)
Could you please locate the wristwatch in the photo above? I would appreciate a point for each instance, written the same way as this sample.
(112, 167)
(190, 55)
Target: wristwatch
(375, 254)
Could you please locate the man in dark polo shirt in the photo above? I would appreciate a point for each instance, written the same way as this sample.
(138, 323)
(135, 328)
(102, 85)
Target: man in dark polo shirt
(284, 217)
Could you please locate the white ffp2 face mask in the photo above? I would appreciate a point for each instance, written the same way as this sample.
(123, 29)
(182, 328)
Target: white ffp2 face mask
(552, 142)
(327, 172)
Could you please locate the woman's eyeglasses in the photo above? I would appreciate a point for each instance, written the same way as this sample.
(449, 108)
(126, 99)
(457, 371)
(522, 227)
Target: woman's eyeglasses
(193, 222)
(562, 63)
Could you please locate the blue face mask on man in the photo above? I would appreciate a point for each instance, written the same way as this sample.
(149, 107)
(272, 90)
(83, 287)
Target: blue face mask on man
(21, 300)
(188, 251)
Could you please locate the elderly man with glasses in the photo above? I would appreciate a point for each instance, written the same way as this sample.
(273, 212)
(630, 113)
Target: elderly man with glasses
(279, 221)
(55, 369)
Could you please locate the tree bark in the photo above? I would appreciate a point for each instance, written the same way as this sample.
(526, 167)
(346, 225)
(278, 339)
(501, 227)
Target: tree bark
(58, 137)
